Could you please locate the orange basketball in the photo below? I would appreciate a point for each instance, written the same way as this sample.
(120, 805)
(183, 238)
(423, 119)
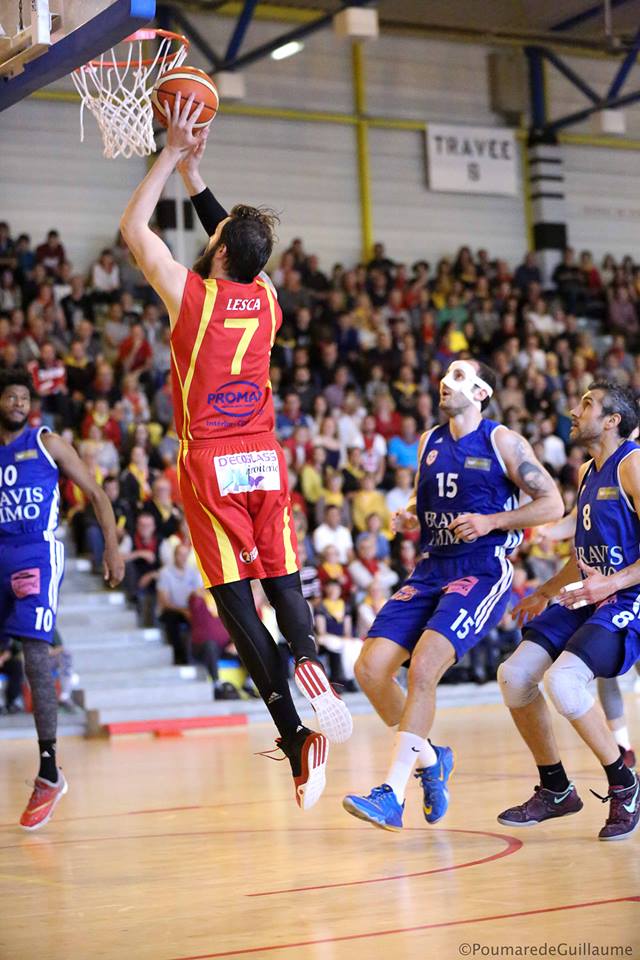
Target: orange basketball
(187, 80)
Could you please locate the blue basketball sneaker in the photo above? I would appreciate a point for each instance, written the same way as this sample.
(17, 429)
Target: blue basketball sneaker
(380, 807)
(434, 784)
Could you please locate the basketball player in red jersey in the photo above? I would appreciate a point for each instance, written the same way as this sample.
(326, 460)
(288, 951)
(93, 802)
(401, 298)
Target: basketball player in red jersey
(224, 317)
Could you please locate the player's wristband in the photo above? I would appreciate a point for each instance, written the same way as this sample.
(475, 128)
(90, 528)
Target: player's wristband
(210, 211)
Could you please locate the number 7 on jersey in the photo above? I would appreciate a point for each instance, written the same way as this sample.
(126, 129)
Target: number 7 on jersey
(248, 325)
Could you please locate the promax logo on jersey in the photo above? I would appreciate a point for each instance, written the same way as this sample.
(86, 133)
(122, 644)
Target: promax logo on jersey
(238, 398)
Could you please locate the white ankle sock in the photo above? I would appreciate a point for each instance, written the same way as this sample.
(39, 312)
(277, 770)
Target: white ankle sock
(622, 737)
(427, 756)
(406, 750)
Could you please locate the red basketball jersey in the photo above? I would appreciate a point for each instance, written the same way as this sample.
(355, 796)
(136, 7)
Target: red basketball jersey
(220, 355)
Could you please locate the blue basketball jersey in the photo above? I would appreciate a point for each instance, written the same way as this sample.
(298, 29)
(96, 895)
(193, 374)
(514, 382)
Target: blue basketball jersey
(29, 493)
(463, 476)
(608, 528)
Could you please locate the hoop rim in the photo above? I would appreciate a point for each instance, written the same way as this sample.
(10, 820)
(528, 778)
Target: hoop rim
(146, 33)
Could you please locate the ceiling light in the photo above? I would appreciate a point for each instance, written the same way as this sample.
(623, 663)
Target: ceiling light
(288, 50)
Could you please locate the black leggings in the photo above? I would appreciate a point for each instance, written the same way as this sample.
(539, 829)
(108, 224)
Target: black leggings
(258, 651)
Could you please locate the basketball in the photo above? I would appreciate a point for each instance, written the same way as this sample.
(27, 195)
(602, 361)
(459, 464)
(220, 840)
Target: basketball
(187, 81)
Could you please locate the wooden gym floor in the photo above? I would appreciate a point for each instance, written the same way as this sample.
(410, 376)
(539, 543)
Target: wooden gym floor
(185, 848)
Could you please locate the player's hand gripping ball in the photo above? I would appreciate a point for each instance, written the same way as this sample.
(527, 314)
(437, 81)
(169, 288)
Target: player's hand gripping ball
(187, 81)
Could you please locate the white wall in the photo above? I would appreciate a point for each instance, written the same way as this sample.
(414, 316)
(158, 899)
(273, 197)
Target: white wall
(305, 171)
(415, 222)
(49, 180)
(603, 200)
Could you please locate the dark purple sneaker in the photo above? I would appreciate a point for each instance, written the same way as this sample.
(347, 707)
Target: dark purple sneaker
(624, 812)
(543, 805)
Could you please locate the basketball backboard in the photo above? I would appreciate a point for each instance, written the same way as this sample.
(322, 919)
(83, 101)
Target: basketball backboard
(43, 40)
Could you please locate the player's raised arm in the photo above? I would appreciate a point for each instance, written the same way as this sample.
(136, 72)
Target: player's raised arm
(72, 466)
(209, 210)
(166, 275)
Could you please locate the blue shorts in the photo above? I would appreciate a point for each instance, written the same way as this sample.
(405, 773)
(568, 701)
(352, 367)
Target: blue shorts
(30, 578)
(462, 598)
(555, 627)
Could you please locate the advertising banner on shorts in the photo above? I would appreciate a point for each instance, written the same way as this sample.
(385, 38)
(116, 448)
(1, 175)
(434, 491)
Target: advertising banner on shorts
(472, 159)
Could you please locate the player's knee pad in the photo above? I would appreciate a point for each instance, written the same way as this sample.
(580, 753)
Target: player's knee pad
(519, 684)
(567, 683)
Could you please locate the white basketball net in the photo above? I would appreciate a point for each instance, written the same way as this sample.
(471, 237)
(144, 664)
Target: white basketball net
(118, 93)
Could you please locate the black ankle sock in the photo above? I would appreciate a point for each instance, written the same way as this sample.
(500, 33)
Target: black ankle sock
(48, 766)
(554, 778)
(292, 744)
(618, 775)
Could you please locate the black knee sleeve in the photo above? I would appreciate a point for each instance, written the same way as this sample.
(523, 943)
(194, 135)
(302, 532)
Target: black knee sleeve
(37, 663)
(293, 614)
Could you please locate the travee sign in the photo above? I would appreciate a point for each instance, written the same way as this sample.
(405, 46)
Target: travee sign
(472, 159)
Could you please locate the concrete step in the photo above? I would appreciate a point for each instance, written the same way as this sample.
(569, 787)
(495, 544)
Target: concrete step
(80, 565)
(20, 725)
(254, 709)
(93, 601)
(150, 677)
(115, 619)
(125, 658)
(82, 639)
(188, 693)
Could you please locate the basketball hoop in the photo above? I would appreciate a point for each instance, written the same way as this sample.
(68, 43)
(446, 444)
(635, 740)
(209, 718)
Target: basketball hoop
(118, 92)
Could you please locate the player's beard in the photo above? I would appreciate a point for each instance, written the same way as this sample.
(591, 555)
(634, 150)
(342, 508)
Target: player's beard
(202, 266)
(585, 435)
(12, 426)
(451, 408)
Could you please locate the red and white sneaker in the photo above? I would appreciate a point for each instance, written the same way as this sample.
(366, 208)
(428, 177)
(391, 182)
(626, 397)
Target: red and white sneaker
(333, 714)
(42, 802)
(308, 754)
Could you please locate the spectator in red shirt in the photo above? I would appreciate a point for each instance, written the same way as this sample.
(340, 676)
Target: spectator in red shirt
(104, 384)
(100, 415)
(388, 420)
(50, 382)
(135, 353)
(51, 253)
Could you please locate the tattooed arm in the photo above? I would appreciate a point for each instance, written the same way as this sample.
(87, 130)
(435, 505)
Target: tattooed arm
(530, 476)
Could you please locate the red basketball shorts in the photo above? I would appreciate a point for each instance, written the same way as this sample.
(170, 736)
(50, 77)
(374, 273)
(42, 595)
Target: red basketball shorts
(236, 501)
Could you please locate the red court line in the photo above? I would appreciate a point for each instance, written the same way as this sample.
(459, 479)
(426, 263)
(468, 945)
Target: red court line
(372, 934)
(512, 846)
(228, 831)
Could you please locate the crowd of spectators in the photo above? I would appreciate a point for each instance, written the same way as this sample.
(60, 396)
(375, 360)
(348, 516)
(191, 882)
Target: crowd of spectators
(355, 373)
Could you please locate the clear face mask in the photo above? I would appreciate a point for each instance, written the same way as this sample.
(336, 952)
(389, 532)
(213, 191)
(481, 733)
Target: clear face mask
(462, 377)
